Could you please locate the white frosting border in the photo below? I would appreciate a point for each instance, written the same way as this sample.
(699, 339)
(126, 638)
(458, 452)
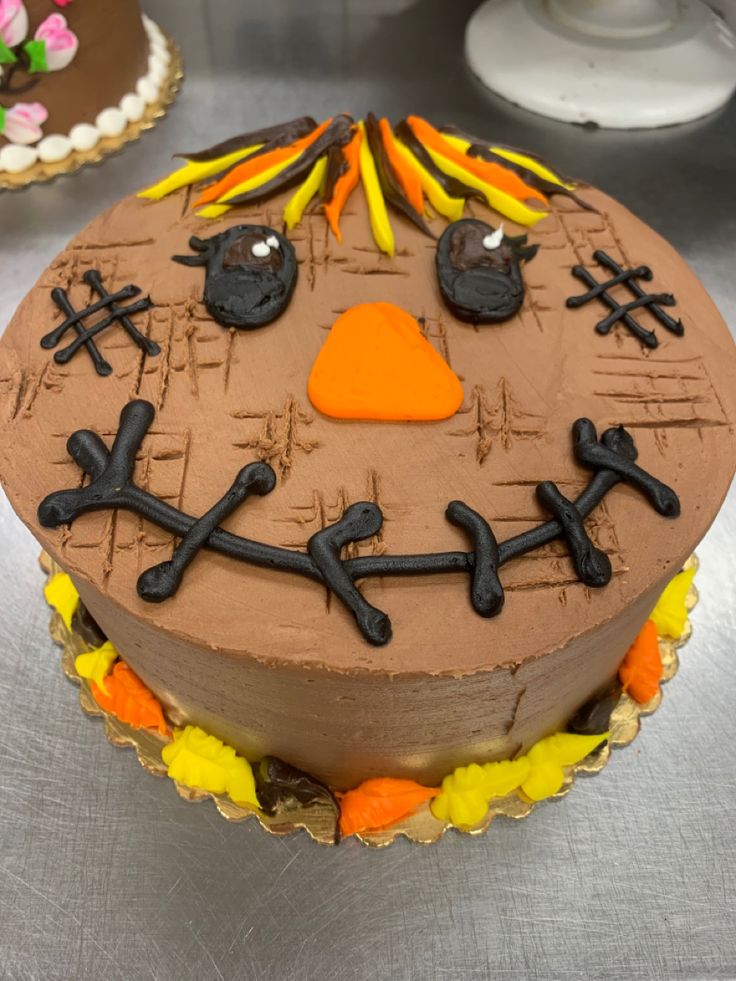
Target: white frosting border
(15, 157)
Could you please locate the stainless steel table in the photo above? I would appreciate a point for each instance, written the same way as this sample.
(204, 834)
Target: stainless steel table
(106, 874)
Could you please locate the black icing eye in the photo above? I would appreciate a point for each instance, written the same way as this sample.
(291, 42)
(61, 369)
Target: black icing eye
(479, 271)
(250, 277)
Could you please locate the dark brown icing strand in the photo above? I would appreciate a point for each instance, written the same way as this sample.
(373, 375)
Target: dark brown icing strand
(271, 136)
(392, 190)
(338, 133)
(336, 167)
(529, 177)
(483, 150)
(451, 185)
(454, 130)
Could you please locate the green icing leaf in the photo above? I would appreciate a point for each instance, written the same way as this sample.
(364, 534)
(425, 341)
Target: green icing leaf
(7, 57)
(36, 51)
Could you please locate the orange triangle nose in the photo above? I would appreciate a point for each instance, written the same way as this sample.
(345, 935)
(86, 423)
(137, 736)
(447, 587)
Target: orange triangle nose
(376, 364)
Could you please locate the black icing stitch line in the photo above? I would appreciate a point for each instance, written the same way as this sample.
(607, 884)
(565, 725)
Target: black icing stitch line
(107, 302)
(612, 458)
(652, 301)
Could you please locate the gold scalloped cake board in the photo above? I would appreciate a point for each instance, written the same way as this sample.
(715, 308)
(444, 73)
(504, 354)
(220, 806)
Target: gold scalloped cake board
(41, 173)
(318, 821)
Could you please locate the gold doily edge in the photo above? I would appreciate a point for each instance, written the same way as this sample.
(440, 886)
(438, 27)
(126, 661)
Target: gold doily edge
(318, 822)
(42, 173)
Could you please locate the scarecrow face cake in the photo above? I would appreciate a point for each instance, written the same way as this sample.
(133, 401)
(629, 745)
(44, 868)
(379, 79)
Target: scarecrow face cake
(369, 448)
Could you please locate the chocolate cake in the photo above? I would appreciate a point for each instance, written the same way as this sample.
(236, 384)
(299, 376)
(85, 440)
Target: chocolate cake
(376, 494)
(72, 73)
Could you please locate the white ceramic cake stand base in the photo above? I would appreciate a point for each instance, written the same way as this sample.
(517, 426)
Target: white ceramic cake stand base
(623, 64)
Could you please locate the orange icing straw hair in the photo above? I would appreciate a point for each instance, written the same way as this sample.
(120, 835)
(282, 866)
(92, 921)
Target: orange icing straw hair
(641, 670)
(129, 700)
(405, 175)
(256, 165)
(345, 184)
(379, 803)
(494, 174)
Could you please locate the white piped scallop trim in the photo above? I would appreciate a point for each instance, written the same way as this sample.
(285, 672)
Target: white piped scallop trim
(15, 158)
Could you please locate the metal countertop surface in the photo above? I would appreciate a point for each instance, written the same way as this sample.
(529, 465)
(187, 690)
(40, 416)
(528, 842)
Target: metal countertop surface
(106, 874)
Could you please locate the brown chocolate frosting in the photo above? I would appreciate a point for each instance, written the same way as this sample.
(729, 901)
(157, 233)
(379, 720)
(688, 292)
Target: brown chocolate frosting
(112, 56)
(271, 663)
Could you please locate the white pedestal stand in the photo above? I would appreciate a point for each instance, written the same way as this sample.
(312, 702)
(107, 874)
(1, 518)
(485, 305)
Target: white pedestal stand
(623, 64)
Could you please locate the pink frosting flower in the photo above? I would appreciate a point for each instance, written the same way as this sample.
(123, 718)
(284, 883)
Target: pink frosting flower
(61, 43)
(62, 3)
(13, 22)
(23, 122)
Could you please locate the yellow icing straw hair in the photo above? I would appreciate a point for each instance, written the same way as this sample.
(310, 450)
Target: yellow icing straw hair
(458, 142)
(451, 208)
(515, 210)
(258, 180)
(193, 172)
(296, 204)
(380, 224)
(214, 210)
(521, 159)
(531, 164)
(221, 208)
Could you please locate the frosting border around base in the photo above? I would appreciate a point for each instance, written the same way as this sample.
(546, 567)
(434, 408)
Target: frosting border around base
(421, 827)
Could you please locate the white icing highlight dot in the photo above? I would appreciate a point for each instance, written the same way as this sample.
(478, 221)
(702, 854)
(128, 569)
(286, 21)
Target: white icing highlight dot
(260, 250)
(15, 158)
(133, 107)
(272, 242)
(494, 240)
(54, 147)
(84, 137)
(111, 122)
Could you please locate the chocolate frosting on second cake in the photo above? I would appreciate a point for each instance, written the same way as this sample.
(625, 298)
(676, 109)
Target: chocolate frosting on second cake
(111, 57)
